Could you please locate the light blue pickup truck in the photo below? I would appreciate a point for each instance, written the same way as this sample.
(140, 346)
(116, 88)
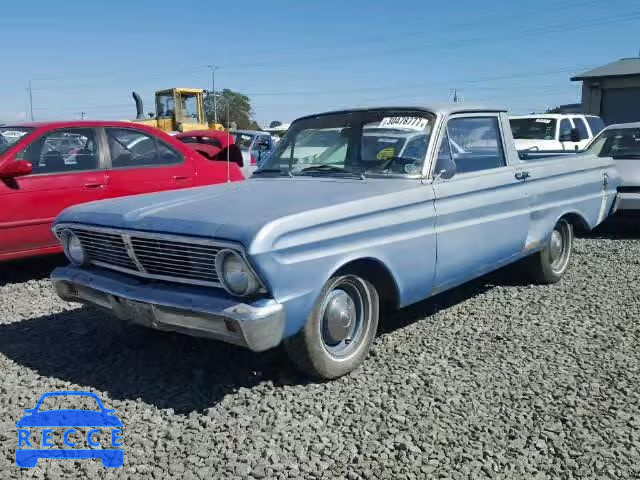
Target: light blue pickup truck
(388, 207)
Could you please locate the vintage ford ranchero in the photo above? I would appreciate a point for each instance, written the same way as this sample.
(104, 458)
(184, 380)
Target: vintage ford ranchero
(353, 211)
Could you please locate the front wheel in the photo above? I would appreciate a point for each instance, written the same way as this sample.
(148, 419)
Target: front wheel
(549, 264)
(340, 329)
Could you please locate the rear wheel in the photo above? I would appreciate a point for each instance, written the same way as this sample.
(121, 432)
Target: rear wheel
(549, 264)
(340, 329)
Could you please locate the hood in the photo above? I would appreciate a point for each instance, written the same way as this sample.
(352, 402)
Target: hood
(232, 211)
(69, 418)
(629, 171)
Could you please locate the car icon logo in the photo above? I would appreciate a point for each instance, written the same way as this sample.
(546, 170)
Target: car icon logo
(40, 428)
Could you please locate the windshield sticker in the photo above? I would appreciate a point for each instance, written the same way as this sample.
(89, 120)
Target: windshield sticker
(543, 120)
(411, 123)
(386, 153)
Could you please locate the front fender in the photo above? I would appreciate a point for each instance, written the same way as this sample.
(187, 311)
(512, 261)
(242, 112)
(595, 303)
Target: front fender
(295, 256)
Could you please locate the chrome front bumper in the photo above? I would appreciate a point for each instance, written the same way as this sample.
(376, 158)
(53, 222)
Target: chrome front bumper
(198, 311)
(628, 201)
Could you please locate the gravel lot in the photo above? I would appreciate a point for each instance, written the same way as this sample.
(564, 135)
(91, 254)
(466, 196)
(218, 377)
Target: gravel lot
(493, 380)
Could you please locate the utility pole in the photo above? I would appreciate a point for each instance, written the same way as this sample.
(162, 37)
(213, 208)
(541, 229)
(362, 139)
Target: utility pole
(30, 100)
(82, 114)
(455, 95)
(213, 91)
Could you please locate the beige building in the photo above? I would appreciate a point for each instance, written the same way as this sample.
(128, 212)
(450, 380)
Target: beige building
(612, 91)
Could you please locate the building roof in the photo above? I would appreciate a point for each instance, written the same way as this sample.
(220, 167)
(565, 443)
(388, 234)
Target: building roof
(620, 68)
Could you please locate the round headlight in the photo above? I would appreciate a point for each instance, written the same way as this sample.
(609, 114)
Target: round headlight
(235, 275)
(73, 248)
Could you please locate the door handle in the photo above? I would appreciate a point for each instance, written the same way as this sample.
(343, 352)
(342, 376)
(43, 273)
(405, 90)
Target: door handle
(522, 175)
(93, 186)
(180, 177)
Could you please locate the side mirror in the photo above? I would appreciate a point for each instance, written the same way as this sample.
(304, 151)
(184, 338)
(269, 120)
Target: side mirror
(447, 173)
(575, 135)
(16, 168)
(445, 168)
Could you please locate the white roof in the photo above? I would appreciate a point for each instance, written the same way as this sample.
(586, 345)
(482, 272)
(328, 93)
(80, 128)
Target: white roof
(551, 115)
(624, 125)
(280, 128)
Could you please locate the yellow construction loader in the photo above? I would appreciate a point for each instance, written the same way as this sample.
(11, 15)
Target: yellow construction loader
(177, 110)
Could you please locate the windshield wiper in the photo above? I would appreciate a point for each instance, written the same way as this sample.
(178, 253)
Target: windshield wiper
(330, 169)
(273, 170)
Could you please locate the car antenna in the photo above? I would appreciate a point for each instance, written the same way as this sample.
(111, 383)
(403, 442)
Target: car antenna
(228, 146)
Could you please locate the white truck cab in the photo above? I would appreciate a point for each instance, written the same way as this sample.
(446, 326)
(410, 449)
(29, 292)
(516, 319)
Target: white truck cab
(554, 132)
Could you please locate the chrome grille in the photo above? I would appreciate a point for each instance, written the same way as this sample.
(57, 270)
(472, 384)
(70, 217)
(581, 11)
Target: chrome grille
(173, 258)
(157, 256)
(103, 247)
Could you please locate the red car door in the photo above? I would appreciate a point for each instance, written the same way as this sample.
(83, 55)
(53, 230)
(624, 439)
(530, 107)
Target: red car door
(140, 162)
(66, 171)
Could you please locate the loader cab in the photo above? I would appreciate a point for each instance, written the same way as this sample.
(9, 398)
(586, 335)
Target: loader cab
(180, 109)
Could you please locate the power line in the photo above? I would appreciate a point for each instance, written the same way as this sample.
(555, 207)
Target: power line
(567, 26)
(425, 85)
(447, 44)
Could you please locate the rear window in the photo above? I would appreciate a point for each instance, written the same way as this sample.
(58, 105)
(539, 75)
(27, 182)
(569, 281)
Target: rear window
(595, 124)
(534, 128)
(10, 135)
(621, 143)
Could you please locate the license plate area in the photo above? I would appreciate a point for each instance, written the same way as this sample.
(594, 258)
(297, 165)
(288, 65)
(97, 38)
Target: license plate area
(138, 312)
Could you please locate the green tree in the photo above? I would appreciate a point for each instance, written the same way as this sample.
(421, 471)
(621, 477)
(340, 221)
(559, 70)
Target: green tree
(232, 107)
(275, 123)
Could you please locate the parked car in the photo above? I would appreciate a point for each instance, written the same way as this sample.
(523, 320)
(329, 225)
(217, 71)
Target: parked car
(255, 146)
(50, 166)
(622, 143)
(548, 134)
(333, 243)
(214, 145)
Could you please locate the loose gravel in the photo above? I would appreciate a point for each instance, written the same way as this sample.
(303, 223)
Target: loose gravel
(495, 379)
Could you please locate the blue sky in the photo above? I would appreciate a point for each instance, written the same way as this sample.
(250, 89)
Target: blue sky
(298, 57)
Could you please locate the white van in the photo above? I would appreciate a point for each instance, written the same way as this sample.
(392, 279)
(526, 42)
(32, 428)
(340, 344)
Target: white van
(554, 132)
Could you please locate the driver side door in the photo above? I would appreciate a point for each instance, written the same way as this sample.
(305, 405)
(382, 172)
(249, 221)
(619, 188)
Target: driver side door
(482, 214)
(66, 171)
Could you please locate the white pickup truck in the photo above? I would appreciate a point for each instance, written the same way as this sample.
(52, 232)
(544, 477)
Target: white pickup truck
(553, 132)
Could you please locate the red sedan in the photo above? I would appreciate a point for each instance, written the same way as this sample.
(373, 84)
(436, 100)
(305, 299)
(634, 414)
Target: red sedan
(49, 166)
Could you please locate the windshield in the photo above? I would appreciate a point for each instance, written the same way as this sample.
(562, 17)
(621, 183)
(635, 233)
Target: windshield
(617, 143)
(190, 107)
(535, 128)
(243, 140)
(10, 135)
(165, 105)
(372, 141)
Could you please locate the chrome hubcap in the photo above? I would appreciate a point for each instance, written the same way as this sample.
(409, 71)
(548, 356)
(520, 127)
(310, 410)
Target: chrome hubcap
(560, 246)
(339, 317)
(556, 246)
(344, 318)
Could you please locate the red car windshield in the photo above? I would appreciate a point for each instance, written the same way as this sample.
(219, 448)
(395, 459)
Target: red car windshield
(10, 135)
